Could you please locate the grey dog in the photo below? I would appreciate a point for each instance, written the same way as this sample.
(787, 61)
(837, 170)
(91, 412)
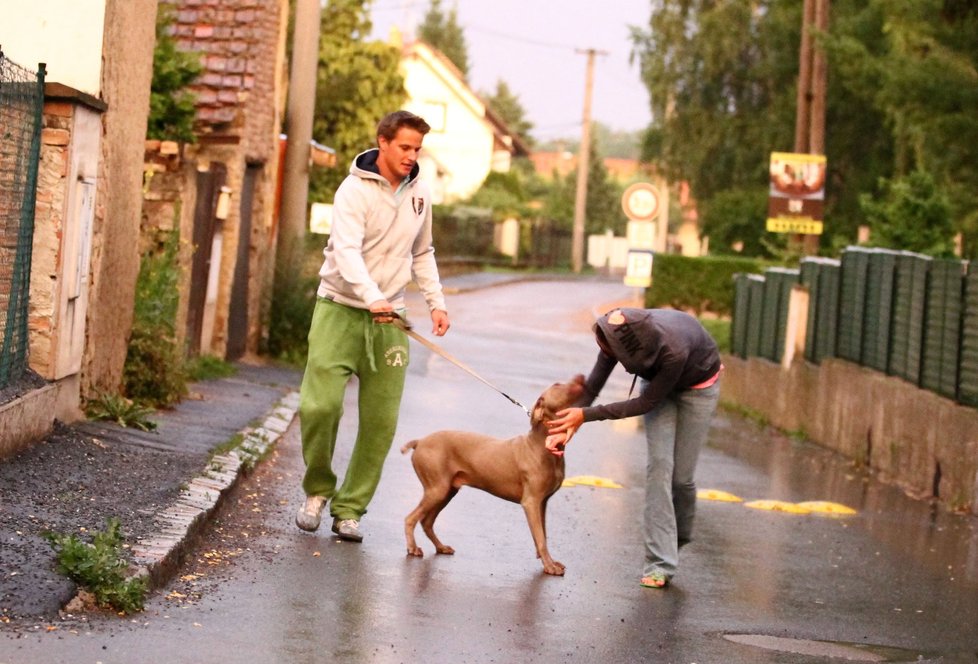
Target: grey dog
(518, 469)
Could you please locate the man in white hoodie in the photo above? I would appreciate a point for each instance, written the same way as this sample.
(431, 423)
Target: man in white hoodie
(380, 240)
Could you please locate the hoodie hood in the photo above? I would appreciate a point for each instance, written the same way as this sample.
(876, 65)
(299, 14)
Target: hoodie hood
(637, 352)
(365, 166)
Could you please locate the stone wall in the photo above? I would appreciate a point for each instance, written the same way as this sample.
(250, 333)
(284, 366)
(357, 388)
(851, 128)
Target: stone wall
(49, 228)
(130, 34)
(914, 438)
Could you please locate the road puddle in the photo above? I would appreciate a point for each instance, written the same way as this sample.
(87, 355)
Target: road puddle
(853, 652)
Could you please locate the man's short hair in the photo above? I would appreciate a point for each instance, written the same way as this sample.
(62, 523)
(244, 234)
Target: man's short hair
(392, 122)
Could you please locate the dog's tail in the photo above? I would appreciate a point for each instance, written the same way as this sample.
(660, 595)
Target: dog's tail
(409, 446)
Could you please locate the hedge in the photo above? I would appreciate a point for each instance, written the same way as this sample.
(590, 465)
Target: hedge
(698, 284)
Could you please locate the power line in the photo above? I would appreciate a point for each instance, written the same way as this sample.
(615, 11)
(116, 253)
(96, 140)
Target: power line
(522, 40)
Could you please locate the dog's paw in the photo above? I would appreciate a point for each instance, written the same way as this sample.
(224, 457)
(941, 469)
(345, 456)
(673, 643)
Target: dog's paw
(415, 552)
(445, 550)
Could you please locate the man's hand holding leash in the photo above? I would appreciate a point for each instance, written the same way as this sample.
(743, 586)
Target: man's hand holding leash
(383, 312)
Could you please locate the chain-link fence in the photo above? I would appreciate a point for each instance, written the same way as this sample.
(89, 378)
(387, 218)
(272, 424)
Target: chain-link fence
(21, 105)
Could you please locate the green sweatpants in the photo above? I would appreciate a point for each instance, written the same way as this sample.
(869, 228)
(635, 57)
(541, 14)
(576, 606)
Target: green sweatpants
(344, 341)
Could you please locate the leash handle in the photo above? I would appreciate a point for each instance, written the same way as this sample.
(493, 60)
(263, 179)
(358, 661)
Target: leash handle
(406, 328)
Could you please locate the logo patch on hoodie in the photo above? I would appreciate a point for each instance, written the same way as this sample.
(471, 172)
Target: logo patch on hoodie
(624, 332)
(418, 205)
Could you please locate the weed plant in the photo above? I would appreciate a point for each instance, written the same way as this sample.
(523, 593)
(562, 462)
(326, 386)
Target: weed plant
(122, 411)
(154, 372)
(99, 568)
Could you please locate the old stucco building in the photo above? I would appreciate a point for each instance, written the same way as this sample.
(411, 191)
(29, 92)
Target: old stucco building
(220, 193)
(98, 58)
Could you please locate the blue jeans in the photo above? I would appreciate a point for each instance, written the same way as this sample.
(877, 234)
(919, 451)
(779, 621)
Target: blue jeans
(675, 430)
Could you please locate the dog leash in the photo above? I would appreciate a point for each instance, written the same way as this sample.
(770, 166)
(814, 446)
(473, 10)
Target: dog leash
(406, 328)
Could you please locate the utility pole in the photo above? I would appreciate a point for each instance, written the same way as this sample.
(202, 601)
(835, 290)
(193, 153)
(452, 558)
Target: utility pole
(816, 133)
(298, 122)
(810, 111)
(803, 103)
(583, 157)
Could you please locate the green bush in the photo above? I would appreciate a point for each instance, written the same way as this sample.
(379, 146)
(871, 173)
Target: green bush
(719, 329)
(99, 568)
(154, 372)
(735, 221)
(209, 367)
(912, 214)
(293, 301)
(697, 284)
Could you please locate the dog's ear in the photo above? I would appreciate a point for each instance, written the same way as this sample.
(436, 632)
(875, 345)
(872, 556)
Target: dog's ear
(538, 413)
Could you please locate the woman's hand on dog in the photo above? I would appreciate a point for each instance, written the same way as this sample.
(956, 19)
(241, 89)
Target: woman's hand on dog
(562, 429)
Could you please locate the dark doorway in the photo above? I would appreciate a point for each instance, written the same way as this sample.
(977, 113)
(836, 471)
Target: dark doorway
(238, 314)
(209, 185)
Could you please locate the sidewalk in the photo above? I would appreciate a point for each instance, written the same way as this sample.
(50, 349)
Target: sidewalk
(161, 485)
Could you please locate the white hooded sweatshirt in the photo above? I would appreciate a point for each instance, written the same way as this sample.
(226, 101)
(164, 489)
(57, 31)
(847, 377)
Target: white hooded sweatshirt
(378, 243)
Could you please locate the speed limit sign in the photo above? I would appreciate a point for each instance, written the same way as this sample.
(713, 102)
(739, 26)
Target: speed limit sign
(640, 202)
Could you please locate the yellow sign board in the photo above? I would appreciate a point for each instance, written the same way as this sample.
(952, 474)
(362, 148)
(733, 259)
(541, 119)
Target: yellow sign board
(794, 225)
(797, 193)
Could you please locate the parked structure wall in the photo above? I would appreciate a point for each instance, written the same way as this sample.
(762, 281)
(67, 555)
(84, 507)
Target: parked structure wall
(923, 442)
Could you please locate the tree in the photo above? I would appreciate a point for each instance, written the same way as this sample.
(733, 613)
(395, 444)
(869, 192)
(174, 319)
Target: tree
(443, 32)
(357, 83)
(172, 108)
(916, 67)
(722, 80)
(504, 193)
(507, 106)
(614, 143)
(721, 94)
(602, 209)
(912, 214)
(734, 220)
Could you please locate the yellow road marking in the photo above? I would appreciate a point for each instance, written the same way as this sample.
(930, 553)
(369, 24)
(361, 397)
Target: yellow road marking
(591, 480)
(825, 507)
(777, 506)
(715, 494)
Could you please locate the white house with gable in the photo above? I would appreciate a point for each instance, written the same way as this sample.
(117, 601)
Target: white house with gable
(467, 141)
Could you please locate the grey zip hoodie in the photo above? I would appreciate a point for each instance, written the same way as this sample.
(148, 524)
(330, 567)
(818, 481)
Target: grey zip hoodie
(668, 348)
(379, 242)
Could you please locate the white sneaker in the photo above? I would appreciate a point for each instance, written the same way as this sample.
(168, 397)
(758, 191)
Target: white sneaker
(309, 514)
(348, 529)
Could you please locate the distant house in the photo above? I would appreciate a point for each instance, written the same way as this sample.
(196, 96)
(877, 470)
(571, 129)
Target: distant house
(564, 162)
(467, 140)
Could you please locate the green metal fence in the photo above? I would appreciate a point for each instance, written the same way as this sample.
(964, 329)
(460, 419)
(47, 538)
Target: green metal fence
(897, 312)
(21, 106)
(968, 367)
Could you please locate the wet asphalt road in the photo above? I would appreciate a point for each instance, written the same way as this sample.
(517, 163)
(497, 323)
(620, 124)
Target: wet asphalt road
(896, 582)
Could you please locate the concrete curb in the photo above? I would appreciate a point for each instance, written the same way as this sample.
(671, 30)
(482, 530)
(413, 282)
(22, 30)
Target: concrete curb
(157, 558)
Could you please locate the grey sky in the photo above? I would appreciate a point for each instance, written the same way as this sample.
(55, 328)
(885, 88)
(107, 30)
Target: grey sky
(532, 46)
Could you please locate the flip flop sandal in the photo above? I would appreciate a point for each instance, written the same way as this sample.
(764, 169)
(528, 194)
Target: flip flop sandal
(654, 580)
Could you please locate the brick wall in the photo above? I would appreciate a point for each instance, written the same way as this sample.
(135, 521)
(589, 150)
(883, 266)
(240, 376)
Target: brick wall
(240, 102)
(49, 226)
